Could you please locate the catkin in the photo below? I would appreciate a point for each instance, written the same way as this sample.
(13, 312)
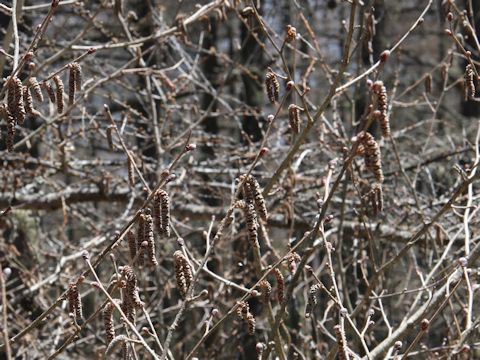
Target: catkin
(428, 83)
(59, 93)
(280, 284)
(150, 240)
(294, 118)
(110, 137)
(140, 238)
(382, 104)
(469, 82)
(342, 342)
(272, 86)
(74, 302)
(252, 225)
(183, 273)
(372, 155)
(164, 212)
(78, 75)
(131, 171)
(157, 212)
(127, 306)
(36, 89)
(243, 312)
(28, 101)
(131, 287)
(312, 299)
(266, 290)
(15, 100)
(258, 198)
(50, 92)
(132, 244)
(108, 322)
(375, 198)
(10, 130)
(71, 84)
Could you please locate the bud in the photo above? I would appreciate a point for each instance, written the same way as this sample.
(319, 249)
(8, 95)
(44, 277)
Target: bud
(384, 56)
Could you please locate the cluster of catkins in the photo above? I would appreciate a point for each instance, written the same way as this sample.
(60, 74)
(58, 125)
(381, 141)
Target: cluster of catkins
(143, 243)
(243, 312)
(373, 162)
(20, 97)
(253, 204)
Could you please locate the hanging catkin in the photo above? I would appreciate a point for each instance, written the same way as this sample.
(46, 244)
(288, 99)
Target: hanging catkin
(469, 82)
(382, 105)
(140, 239)
(162, 212)
(108, 321)
(372, 155)
(272, 86)
(294, 118)
(183, 273)
(74, 301)
(131, 287)
(280, 284)
(258, 198)
(50, 92)
(59, 93)
(150, 238)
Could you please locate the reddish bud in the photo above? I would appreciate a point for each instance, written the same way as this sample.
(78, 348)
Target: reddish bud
(384, 55)
(264, 151)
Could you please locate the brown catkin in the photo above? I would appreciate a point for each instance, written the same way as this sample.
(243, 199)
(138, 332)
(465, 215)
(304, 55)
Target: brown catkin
(140, 239)
(109, 131)
(342, 342)
(132, 244)
(74, 302)
(266, 290)
(15, 100)
(72, 74)
(258, 198)
(10, 131)
(251, 324)
(131, 287)
(372, 155)
(50, 92)
(59, 93)
(183, 273)
(312, 299)
(243, 312)
(280, 284)
(382, 105)
(36, 89)
(28, 101)
(127, 306)
(252, 224)
(150, 237)
(157, 212)
(294, 118)
(131, 171)
(428, 83)
(469, 82)
(164, 212)
(78, 75)
(108, 321)
(272, 86)
(11, 99)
